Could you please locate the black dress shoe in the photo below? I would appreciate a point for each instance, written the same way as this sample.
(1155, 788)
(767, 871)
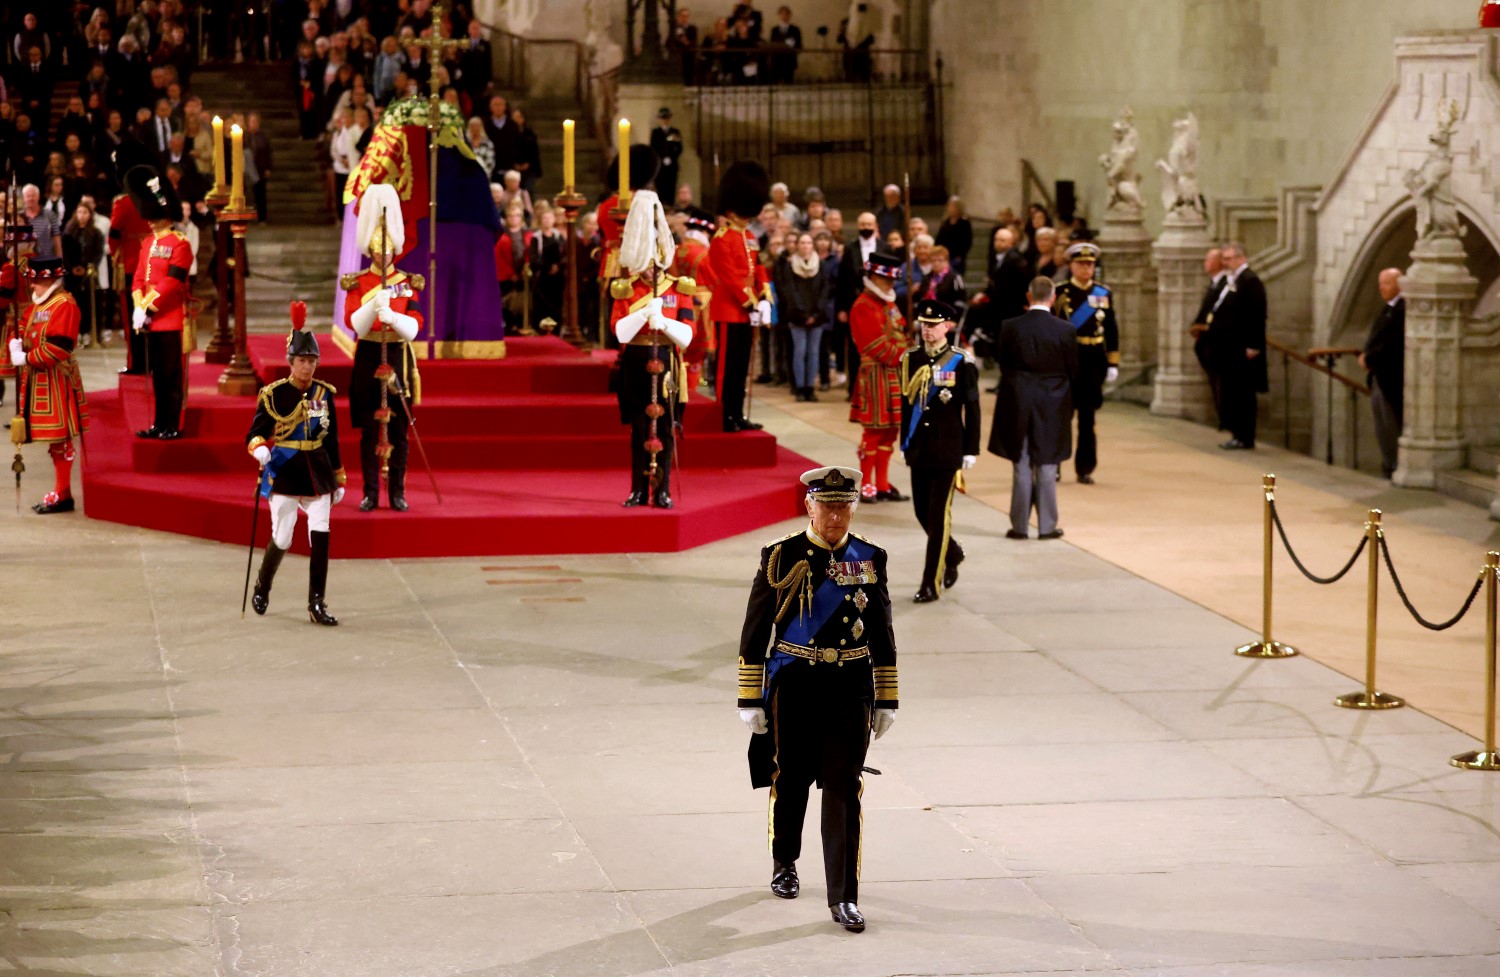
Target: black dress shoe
(45, 508)
(784, 882)
(635, 498)
(1235, 444)
(925, 596)
(150, 432)
(663, 500)
(127, 372)
(1055, 534)
(1014, 534)
(847, 915)
(893, 494)
(748, 425)
(950, 573)
(317, 612)
(399, 505)
(1085, 480)
(763, 378)
(368, 503)
(168, 435)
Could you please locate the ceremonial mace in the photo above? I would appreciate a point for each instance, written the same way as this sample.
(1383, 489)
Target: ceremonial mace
(436, 45)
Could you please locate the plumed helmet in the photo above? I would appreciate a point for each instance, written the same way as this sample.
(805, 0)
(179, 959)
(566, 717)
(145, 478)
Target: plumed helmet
(380, 200)
(154, 197)
(643, 166)
(744, 189)
(301, 341)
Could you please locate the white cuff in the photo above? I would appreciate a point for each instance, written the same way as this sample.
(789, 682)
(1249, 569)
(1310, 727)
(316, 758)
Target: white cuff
(406, 326)
(629, 325)
(680, 333)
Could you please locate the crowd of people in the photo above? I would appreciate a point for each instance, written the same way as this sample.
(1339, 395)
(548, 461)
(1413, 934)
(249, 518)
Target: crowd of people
(739, 48)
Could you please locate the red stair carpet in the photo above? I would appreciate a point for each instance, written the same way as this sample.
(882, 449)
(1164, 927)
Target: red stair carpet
(528, 452)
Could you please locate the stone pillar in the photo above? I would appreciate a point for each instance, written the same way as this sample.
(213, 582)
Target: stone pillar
(1127, 267)
(1181, 388)
(1439, 293)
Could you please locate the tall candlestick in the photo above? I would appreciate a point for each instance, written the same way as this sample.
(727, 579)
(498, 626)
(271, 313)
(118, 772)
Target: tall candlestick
(218, 188)
(568, 153)
(624, 155)
(237, 167)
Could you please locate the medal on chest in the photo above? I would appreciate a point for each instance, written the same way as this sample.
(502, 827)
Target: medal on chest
(847, 573)
(160, 251)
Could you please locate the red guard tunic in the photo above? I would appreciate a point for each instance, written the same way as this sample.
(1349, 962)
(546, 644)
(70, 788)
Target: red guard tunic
(161, 280)
(364, 392)
(739, 279)
(878, 330)
(610, 232)
(691, 262)
(127, 231)
(677, 303)
(51, 391)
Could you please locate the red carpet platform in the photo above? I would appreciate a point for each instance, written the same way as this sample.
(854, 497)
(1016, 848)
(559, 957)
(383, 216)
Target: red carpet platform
(528, 452)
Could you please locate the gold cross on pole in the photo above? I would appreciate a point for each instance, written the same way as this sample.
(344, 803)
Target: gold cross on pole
(437, 47)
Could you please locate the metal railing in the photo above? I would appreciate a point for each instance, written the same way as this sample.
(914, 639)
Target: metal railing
(774, 64)
(1328, 367)
(515, 72)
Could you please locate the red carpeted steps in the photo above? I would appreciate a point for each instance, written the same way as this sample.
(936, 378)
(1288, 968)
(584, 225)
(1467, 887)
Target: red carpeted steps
(528, 451)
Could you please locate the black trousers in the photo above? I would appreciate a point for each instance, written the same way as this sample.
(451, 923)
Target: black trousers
(369, 460)
(735, 350)
(1206, 360)
(640, 458)
(165, 355)
(822, 730)
(932, 498)
(1237, 406)
(259, 192)
(1086, 458)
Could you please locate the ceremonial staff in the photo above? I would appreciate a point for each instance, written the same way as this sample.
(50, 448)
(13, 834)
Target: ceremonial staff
(254, 525)
(906, 208)
(11, 239)
(383, 416)
(437, 47)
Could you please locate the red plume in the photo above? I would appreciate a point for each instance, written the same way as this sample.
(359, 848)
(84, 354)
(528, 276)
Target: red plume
(299, 314)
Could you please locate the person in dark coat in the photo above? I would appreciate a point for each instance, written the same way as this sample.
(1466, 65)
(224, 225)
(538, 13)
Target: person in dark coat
(1237, 331)
(939, 436)
(666, 140)
(1385, 358)
(1213, 267)
(1089, 308)
(1033, 426)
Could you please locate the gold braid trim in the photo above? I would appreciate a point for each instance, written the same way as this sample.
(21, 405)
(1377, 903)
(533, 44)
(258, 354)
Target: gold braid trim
(916, 386)
(796, 583)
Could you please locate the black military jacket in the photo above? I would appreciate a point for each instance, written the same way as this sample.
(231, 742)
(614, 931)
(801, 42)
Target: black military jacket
(1098, 338)
(281, 413)
(948, 427)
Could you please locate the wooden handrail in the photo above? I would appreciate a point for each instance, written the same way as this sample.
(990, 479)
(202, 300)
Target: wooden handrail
(1306, 360)
(1334, 351)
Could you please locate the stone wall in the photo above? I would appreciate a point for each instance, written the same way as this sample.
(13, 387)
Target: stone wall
(1281, 87)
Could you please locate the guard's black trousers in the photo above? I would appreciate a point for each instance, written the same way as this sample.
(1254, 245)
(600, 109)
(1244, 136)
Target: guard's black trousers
(369, 459)
(1086, 458)
(640, 458)
(734, 352)
(165, 355)
(932, 498)
(822, 730)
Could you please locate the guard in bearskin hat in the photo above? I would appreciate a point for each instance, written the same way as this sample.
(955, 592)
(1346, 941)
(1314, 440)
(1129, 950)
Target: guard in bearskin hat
(295, 438)
(53, 410)
(128, 231)
(742, 298)
(159, 289)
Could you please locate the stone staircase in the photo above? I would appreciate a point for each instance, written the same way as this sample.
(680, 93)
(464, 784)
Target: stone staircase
(1475, 484)
(545, 117)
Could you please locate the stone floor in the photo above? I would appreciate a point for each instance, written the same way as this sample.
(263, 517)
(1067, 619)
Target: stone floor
(488, 770)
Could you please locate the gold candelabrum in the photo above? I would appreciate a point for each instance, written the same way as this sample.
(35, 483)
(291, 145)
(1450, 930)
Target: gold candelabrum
(220, 349)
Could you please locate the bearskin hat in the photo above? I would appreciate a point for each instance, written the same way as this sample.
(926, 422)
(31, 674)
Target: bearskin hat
(644, 164)
(744, 189)
(152, 193)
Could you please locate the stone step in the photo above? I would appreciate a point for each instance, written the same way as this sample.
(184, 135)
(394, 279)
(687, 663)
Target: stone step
(1482, 458)
(1467, 485)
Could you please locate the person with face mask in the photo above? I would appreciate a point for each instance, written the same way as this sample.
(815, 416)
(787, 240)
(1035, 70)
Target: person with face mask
(849, 286)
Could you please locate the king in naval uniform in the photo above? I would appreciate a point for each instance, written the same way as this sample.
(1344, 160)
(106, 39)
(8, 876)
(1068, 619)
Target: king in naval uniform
(1090, 307)
(817, 674)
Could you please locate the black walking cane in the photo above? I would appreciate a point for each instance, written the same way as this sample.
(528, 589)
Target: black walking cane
(250, 557)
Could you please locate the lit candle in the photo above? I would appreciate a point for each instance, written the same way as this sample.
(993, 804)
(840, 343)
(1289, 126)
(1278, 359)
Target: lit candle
(624, 152)
(568, 153)
(237, 167)
(218, 189)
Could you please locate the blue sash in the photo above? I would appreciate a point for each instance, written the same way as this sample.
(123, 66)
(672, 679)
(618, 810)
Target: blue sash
(306, 430)
(1085, 312)
(828, 596)
(917, 410)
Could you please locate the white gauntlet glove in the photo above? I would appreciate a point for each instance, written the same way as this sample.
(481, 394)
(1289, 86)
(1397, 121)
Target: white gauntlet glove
(384, 314)
(882, 721)
(338, 495)
(138, 319)
(17, 355)
(262, 454)
(755, 719)
(1112, 374)
(970, 461)
(764, 308)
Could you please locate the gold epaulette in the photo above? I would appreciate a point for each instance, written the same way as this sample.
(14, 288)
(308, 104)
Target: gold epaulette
(686, 285)
(782, 539)
(332, 390)
(418, 282)
(348, 280)
(622, 288)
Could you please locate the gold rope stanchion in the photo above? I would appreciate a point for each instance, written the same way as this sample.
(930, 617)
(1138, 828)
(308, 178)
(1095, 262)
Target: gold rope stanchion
(1368, 697)
(1265, 647)
(1487, 758)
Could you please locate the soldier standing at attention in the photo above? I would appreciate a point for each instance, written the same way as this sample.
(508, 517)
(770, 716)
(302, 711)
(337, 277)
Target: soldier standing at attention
(939, 435)
(742, 296)
(1089, 307)
(878, 330)
(817, 675)
(160, 290)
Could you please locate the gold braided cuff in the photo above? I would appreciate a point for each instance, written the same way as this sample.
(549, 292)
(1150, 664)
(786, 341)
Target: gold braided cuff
(752, 681)
(887, 688)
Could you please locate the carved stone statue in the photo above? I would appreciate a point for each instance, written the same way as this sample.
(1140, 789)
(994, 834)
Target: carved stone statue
(1431, 184)
(1119, 169)
(1179, 191)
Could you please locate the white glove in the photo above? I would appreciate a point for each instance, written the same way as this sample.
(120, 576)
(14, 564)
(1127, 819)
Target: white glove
(138, 319)
(384, 314)
(405, 325)
(882, 721)
(764, 308)
(17, 355)
(755, 719)
(970, 461)
(364, 318)
(382, 299)
(679, 333)
(262, 454)
(628, 325)
(338, 495)
(1112, 374)
(654, 307)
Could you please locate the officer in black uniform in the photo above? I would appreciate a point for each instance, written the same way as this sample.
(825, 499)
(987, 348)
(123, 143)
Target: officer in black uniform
(817, 675)
(1089, 306)
(666, 140)
(939, 435)
(295, 438)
